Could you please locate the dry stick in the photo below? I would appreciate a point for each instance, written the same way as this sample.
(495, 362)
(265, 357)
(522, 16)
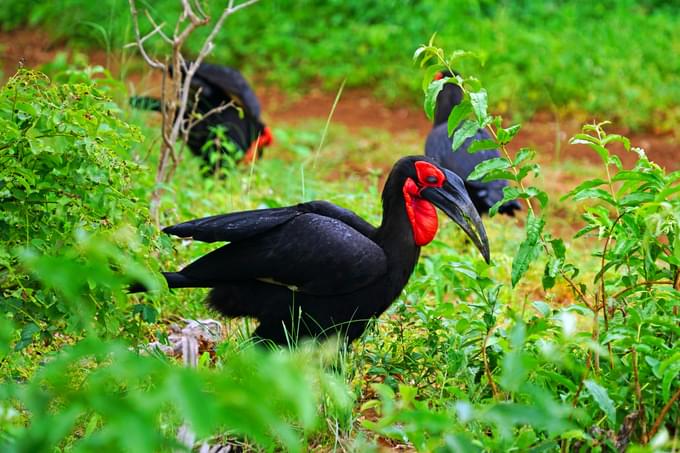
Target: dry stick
(328, 122)
(175, 109)
(662, 414)
(644, 283)
(140, 41)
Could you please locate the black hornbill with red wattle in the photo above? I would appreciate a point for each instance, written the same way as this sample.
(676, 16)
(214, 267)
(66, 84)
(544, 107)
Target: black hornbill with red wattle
(438, 146)
(316, 269)
(214, 86)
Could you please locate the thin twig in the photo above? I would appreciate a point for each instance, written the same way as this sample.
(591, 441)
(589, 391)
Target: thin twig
(140, 40)
(487, 369)
(644, 283)
(662, 414)
(158, 26)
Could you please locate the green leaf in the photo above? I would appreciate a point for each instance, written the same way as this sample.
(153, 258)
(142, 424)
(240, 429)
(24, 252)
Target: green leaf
(481, 145)
(552, 267)
(431, 94)
(458, 114)
(636, 199)
(460, 443)
(27, 334)
(6, 335)
(479, 106)
(598, 194)
(429, 73)
(528, 249)
(465, 131)
(509, 193)
(584, 186)
(505, 135)
(535, 192)
(602, 399)
(524, 154)
(147, 312)
(487, 166)
(559, 248)
(670, 369)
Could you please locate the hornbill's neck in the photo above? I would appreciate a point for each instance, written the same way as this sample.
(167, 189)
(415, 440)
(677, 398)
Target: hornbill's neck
(395, 234)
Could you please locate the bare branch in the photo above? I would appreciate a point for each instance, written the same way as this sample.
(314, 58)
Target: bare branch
(662, 414)
(213, 111)
(165, 37)
(175, 92)
(140, 41)
(233, 9)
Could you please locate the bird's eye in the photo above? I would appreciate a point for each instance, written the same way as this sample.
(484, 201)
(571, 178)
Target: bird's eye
(431, 179)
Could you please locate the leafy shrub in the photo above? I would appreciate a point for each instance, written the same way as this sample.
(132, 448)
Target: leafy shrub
(600, 373)
(99, 395)
(63, 176)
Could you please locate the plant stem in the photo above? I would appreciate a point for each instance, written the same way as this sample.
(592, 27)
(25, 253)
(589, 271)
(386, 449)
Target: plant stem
(662, 414)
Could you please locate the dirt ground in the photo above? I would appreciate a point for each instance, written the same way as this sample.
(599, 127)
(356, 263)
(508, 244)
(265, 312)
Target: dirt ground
(357, 108)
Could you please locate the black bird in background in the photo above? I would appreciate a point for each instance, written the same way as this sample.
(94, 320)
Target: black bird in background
(438, 146)
(316, 269)
(220, 85)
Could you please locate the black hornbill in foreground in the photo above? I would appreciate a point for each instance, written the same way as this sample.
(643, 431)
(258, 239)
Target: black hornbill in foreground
(218, 86)
(316, 269)
(438, 146)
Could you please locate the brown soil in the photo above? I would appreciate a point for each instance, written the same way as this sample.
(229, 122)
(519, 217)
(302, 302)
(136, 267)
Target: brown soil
(357, 108)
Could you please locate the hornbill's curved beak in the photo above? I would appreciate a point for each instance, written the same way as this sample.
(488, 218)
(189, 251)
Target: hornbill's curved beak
(453, 199)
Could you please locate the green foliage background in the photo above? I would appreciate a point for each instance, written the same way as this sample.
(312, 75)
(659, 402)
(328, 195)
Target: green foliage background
(612, 58)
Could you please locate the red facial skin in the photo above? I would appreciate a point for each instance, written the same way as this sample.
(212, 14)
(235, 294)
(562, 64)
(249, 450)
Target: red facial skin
(421, 213)
(438, 75)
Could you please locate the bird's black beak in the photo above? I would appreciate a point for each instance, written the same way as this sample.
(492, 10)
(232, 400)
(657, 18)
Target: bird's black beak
(453, 199)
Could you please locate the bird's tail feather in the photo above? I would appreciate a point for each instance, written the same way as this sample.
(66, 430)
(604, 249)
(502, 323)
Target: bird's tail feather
(145, 103)
(178, 280)
(137, 287)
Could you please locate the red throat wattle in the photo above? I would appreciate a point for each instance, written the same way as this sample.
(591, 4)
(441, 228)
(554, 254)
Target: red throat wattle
(421, 214)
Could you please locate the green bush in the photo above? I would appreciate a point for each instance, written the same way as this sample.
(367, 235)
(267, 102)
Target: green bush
(98, 395)
(600, 373)
(63, 177)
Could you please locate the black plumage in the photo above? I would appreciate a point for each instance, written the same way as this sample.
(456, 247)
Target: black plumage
(316, 269)
(438, 146)
(213, 86)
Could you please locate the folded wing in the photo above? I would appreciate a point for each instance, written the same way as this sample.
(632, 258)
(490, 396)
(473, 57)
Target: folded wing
(310, 252)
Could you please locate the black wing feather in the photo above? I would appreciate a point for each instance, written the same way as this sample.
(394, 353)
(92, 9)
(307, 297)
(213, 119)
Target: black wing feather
(233, 227)
(328, 209)
(310, 253)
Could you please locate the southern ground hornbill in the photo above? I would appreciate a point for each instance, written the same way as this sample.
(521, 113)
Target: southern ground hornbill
(438, 146)
(316, 269)
(243, 126)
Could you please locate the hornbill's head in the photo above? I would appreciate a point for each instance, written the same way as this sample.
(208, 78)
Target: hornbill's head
(450, 96)
(424, 185)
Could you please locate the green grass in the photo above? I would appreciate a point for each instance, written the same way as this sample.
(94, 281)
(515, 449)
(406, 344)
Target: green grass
(612, 58)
